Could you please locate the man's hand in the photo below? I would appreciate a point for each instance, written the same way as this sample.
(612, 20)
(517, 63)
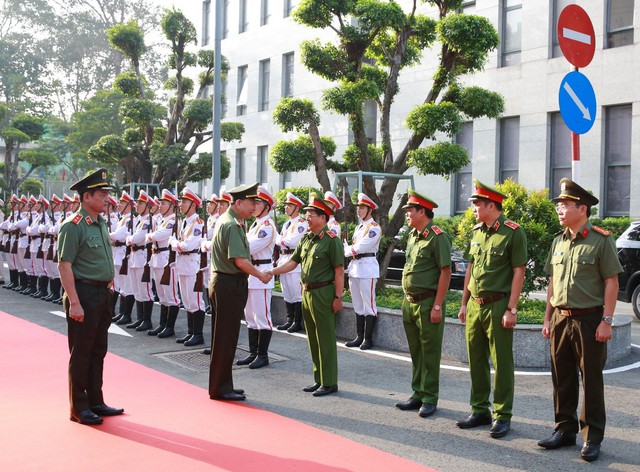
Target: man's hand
(436, 316)
(546, 329)
(265, 276)
(462, 314)
(76, 313)
(336, 306)
(604, 332)
(509, 320)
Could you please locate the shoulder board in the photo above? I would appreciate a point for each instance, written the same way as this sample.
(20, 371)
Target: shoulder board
(511, 224)
(331, 234)
(602, 231)
(436, 230)
(478, 226)
(76, 219)
(199, 221)
(374, 224)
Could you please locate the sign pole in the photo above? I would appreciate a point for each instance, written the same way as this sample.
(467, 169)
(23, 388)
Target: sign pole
(575, 157)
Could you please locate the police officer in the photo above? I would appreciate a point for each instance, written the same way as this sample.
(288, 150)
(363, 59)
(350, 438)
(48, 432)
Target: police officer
(228, 289)
(292, 232)
(364, 272)
(118, 237)
(583, 270)
(425, 281)
(321, 256)
(497, 254)
(86, 271)
(334, 204)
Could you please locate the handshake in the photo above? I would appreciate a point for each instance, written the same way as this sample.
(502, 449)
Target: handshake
(265, 275)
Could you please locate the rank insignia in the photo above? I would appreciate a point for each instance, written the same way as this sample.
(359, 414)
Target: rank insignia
(197, 232)
(88, 219)
(262, 234)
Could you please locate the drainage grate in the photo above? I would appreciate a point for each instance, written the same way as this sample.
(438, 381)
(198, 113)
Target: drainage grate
(195, 361)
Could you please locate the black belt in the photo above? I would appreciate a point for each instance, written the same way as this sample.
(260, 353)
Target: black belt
(118, 244)
(34, 237)
(489, 299)
(195, 251)
(569, 311)
(156, 250)
(138, 248)
(261, 261)
(366, 254)
(241, 275)
(421, 296)
(308, 287)
(95, 283)
(287, 251)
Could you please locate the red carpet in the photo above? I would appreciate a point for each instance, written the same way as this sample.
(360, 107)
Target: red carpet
(193, 433)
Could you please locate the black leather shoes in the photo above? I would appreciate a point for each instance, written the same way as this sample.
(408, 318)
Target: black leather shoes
(238, 391)
(322, 391)
(410, 404)
(311, 388)
(590, 452)
(229, 397)
(473, 420)
(500, 428)
(86, 417)
(206, 351)
(104, 410)
(558, 439)
(426, 410)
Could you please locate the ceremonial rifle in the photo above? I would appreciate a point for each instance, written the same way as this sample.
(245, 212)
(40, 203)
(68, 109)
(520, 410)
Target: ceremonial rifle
(51, 237)
(166, 274)
(146, 273)
(40, 253)
(124, 268)
(198, 286)
(27, 254)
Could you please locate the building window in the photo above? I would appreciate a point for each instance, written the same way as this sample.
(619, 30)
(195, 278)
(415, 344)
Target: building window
(243, 18)
(619, 23)
(240, 162)
(285, 180)
(287, 74)
(264, 12)
(560, 151)
(206, 22)
(463, 180)
(289, 6)
(225, 19)
(241, 99)
(511, 32)
(617, 157)
(468, 7)
(558, 6)
(263, 85)
(262, 172)
(509, 148)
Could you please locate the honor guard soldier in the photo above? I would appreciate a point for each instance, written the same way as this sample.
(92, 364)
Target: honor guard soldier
(167, 293)
(292, 232)
(118, 237)
(334, 204)
(223, 202)
(321, 256)
(24, 224)
(112, 216)
(2, 242)
(425, 281)
(364, 272)
(68, 204)
(228, 289)
(187, 265)
(212, 218)
(86, 271)
(137, 261)
(583, 270)
(497, 254)
(35, 246)
(50, 249)
(262, 239)
(7, 241)
(21, 242)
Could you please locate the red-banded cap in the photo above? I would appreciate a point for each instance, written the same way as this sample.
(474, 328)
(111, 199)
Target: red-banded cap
(331, 198)
(55, 199)
(225, 197)
(291, 198)
(213, 198)
(167, 195)
(66, 198)
(44, 201)
(483, 191)
(189, 194)
(317, 203)
(113, 201)
(125, 197)
(366, 201)
(265, 196)
(416, 199)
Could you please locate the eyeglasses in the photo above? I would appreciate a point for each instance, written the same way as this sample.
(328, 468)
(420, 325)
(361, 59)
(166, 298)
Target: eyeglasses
(561, 207)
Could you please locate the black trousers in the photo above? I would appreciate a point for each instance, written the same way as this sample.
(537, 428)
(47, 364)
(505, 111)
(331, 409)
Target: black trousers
(574, 351)
(228, 296)
(88, 342)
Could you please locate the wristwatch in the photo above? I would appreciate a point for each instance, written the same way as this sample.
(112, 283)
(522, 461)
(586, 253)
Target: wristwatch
(608, 320)
(513, 311)
(437, 307)
(338, 297)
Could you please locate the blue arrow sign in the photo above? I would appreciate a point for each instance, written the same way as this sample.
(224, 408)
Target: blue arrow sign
(577, 102)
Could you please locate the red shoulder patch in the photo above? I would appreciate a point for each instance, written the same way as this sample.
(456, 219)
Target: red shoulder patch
(374, 224)
(602, 231)
(331, 234)
(436, 230)
(200, 221)
(511, 224)
(77, 219)
(88, 220)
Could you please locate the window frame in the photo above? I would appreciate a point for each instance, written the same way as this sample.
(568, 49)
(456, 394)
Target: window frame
(504, 53)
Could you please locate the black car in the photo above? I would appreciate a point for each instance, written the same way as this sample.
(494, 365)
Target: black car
(458, 268)
(629, 256)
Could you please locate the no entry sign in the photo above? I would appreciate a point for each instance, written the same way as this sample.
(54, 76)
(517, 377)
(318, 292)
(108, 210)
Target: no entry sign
(576, 36)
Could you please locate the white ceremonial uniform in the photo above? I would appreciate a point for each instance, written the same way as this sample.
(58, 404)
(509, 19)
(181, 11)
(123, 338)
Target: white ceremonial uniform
(8, 227)
(262, 239)
(334, 226)
(168, 294)
(206, 246)
(23, 243)
(118, 237)
(292, 232)
(138, 258)
(363, 269)
(53, 228)
(33, 231)
(187, 262)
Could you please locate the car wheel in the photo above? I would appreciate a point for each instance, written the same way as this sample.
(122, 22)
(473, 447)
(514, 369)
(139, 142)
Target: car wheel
(635, 301)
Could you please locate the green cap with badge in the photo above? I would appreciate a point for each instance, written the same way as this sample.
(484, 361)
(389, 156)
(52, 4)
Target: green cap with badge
(94, 181)
(569, 190)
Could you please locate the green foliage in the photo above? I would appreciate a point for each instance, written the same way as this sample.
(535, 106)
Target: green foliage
(617, 225)
(109, 149)
(442, 158)
(3, 111)
(37, 157)
(30, 186)
(128, 38)
(476, 102)
(187, 84)
(374, 14)
(327, 61)
(177, 28)
(30, 125)
(535, 212)
(97, 117)
(348, 97)
(225, 164)
(430, 118)
(296, 114)
(200, 111)
(231, 131)
(133, 136)
(139, 111)
(353, 161)
(471, 37)
(319, 13)
(13, 135)
(169, 156)
(449, 224)
(301, 192)
(297, 155)
(127, 84)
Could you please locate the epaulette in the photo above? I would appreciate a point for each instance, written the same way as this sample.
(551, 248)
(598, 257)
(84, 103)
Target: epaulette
(478, 226)
(330, 234)
(602, 231)
(511, 224)
(199, 221)
(76, 219)
(436, 230)
(374, 224)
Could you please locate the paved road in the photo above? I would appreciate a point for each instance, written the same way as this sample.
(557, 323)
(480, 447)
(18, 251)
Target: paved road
(370, 383)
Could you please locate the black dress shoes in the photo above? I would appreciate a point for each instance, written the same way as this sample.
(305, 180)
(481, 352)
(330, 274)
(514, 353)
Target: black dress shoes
(86, 417)
(206, 351)
(426, 410)
(238, 391)
(104, 410)
(558, 439)
(229, 397)
(590, 452)
(410, 404)
(311, 388)
(473, 420)
(500, 428)
(322, 391)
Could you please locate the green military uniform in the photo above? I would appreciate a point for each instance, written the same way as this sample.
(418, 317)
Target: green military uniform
(579, 267)
(319, 255)
(228, 292)
(493, 253)
(428, 251)
(84, 242)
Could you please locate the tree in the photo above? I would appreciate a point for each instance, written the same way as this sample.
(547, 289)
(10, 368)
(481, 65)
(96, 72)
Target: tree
(376, 40)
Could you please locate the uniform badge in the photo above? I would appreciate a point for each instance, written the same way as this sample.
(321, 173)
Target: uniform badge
(425, 233)
(496, 226)
(333, 231)
(511, 224)
(436, 230)
(197, 232)
(88, 219)
(262, 234)
(300, 229)
(372, 234)
(169, 225)
(77, 219)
